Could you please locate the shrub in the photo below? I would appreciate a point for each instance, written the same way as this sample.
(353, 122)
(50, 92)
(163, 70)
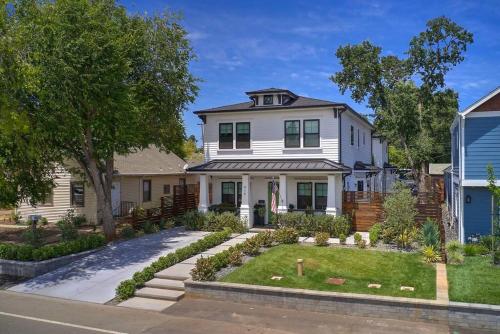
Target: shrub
(126, 289)
(429, 234)
(488, 241)
(68, 230)
(288, 219)
(203, 270)
(127, 232)
(357, 237)
(475, 249)
(265, 238)
(375, 231)
(321, 238)
(79, 220)
(431, 254)
(286, 236)
(33, 236)
(219, 221)
(400, 212)
(235, 258)
(193, 220)
(342, 239)
(148, 227)
(361, 243)
(454, 252)
(251, 246)
(341, 225)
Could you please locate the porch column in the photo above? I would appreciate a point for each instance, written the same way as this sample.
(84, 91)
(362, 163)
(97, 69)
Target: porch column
(331, 201)
(246, 212)
(203, 203)
(283, 202)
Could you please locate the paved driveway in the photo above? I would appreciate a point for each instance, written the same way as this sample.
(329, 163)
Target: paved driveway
(95, 277)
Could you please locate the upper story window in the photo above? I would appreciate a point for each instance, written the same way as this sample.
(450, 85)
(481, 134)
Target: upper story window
(352, 135)
(292, 133)
(268, 99)
(358, 137)
(311, 133)
(226, 135)
(243, 135)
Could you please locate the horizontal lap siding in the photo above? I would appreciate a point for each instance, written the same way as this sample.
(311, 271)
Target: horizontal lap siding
(477, 213)
(482, 146)
(267, 135)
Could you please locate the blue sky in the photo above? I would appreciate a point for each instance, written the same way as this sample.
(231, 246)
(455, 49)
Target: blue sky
(248, 45)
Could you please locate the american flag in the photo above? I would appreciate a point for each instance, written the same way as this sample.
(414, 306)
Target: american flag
(274, 201)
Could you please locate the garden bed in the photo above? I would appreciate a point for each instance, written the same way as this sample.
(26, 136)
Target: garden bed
(474, 281)
(358, 267)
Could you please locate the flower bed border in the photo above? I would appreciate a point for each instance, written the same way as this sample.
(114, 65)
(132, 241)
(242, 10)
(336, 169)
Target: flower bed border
(476, 316)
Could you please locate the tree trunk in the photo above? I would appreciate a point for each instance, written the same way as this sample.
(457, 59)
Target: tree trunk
(423, 185)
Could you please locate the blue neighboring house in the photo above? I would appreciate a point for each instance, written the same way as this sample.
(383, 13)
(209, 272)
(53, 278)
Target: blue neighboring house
(475, 134)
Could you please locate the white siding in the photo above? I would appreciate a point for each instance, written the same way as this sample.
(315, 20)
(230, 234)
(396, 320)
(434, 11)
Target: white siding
(267, 135)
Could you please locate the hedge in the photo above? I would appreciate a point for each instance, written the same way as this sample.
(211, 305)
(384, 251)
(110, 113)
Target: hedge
(308, 225)
(127, 288)
(29, 253)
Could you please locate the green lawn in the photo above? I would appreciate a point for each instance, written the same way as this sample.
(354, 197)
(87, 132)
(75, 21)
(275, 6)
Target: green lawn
(358, 267)
(475, 281)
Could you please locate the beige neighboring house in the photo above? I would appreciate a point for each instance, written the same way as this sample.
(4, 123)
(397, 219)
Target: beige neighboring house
(140, 179)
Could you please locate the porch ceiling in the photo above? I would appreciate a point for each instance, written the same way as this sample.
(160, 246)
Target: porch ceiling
(271, 165)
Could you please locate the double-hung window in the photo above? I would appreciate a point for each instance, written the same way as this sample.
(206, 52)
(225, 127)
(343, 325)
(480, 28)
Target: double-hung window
(226, 135)
(304, 195)
(352, 135)
(146, 190)
(77, 194)
(243, 135)
(320, 195)
(311, 133)
(292, 133)
(228, 193)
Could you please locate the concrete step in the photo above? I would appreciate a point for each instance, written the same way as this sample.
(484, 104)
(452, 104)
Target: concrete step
(147, 304)
(154, 293)
(161, 283)
(178, 272)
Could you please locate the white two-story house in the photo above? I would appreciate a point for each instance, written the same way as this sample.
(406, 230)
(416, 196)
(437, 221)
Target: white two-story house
(312, 149)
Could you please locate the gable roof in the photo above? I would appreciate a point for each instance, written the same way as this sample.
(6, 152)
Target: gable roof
(479, 102)
(150, 161)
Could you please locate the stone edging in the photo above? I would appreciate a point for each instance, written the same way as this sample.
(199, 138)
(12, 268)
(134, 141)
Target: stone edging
(31, 269)
(477, 316)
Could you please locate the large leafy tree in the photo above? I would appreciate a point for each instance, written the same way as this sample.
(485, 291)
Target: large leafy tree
(94, 82)
(413, 107)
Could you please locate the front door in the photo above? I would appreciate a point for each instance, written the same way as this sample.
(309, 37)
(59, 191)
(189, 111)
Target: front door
(269, 200)
(115, 198)
(361, 185)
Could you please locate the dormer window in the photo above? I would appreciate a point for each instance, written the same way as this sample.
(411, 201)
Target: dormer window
(268, 99)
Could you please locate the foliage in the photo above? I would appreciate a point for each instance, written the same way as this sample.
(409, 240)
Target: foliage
(148, 227)
(429, 234)
(361, 243)
(89, 75)
(265, 238)
(342, 239)
(309, 225)
(454, 252)
(220, 221)
(33, 235)
(431, 254)
(495, 193)
(397, 157)
(169, 260)
(321, 238)
(489, 241)
(286, 235)
(251, 246)
(414, 118)
(126, 289)
(193, 220)
(357, 237)
(374, 234)
(127, 232)
(400, 212)
(68, 230)
(475, 249)
(30, 253)
(164, 224)
(235, 258)
(203, 270)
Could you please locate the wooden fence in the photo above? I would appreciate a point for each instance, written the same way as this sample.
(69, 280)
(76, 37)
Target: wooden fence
(366, 208)
(185, 198)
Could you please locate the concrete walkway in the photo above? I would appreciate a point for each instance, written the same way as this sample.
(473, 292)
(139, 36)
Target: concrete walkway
(95, 277)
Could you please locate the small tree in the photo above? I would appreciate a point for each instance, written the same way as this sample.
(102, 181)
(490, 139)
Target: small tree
(495, 203)
(400, 212)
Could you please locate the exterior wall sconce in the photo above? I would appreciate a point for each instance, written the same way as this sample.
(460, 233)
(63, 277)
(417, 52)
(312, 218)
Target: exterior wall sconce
(468, 199)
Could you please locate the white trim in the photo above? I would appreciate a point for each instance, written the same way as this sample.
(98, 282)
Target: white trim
(462, 149)
(484, 114)
(477, 183)
(461, 233)
(266, 173)
(481, 101)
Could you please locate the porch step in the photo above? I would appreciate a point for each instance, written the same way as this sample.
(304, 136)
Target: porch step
(154, 293)
(147, 304)
(261, 229)
(161, 283)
